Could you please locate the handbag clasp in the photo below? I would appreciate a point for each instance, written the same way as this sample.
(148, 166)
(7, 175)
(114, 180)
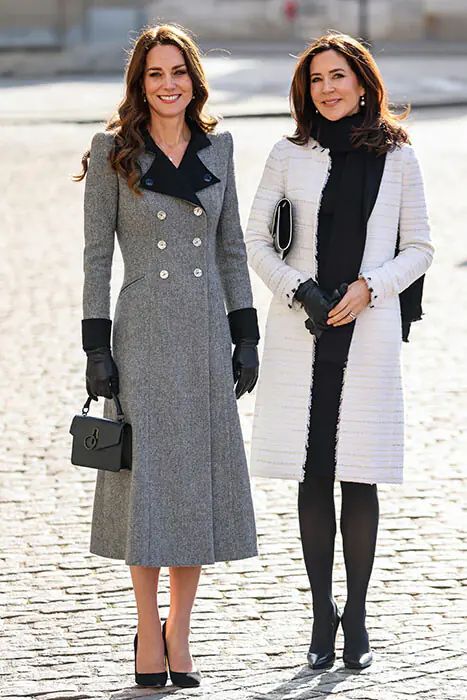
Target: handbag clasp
(90, 441)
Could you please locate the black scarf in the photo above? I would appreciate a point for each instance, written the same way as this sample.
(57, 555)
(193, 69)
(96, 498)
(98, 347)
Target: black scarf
(348, 233)
(357, 194)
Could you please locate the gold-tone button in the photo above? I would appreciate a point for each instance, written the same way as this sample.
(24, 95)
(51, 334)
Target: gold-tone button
(197, 211)
(161, 215)
(162, 245)
(197, 272)
(163, 274)
(197, 242)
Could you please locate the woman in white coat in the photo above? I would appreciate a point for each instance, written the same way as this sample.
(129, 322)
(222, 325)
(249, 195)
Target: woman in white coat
(329, 401)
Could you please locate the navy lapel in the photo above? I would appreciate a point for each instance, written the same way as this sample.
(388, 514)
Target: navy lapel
(183, 182)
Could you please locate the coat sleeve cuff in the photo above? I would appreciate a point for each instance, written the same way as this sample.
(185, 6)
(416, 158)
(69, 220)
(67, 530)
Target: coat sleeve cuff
(95, 333)
(243, 324)
(372, 282)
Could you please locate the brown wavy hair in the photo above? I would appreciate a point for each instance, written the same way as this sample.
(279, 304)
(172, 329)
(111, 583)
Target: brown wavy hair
(133, 112)
(381, 130)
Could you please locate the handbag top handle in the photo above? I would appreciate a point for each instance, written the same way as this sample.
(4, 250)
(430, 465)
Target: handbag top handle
(118, 406)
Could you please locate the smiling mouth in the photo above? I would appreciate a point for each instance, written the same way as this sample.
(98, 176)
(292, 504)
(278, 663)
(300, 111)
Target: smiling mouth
(331, 103)
(168, 98)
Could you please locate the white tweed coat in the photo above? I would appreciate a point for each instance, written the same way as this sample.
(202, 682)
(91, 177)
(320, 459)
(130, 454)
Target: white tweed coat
(370, 434)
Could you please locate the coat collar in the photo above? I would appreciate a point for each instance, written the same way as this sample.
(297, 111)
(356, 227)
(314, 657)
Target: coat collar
(191, 176)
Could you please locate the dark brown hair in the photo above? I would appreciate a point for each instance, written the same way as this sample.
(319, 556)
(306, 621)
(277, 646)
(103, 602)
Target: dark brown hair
(381, 130)
(133, 112)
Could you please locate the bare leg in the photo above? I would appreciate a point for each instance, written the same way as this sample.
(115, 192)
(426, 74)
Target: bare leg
(183, 586)
(150, 657)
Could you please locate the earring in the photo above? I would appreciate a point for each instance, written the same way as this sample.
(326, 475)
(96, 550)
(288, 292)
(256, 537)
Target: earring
(362, 101)
(144, 98)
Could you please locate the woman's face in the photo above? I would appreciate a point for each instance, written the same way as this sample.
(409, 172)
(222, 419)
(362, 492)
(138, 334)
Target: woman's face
(334, 87)
(167, 84)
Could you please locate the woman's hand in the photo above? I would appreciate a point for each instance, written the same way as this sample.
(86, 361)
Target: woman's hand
(355, 300)
(316, 305)
(101, 373)
(245, 365)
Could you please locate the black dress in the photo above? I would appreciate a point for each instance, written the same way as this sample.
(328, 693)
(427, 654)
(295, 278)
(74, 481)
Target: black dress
(331, 349)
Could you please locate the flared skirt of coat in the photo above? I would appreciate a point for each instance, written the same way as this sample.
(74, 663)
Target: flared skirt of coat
(187, 499)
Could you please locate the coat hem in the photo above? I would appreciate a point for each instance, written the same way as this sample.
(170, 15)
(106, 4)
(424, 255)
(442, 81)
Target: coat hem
(207, 561)
(356, 480)
(359, 480)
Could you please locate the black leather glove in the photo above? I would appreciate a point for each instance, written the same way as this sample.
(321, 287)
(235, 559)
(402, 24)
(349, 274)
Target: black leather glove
(101, 373)
(245, 363)
(245, 336)
(317, 304)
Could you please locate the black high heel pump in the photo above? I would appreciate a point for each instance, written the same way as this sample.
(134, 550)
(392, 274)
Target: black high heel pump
(321, 658)
(357, 653)
(191, 679)
(149, 680)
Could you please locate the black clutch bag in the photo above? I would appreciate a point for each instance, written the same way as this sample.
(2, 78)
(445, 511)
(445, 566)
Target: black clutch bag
(101, 443)
(282, 227)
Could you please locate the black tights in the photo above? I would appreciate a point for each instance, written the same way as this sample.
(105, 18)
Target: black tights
(359, 526)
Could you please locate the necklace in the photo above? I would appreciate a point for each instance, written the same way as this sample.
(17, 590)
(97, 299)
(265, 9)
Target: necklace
(182, 143)
(169, 157)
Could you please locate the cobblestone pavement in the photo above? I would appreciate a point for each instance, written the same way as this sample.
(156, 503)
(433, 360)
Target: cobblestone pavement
(69, 616)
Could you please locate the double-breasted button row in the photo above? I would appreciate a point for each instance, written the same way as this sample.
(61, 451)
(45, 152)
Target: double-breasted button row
(161, 214)
(163, 274)
(162, 245)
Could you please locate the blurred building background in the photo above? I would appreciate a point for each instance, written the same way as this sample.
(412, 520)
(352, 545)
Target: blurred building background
(61, 24)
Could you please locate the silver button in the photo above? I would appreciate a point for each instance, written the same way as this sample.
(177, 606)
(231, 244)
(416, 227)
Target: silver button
(162, 245)
(163, 274)
(197, 272)
(197, 211)
(197, 242)
(161, 215)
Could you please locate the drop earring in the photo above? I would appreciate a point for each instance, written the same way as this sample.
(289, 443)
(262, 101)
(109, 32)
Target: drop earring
(144, 98)
(362, 101)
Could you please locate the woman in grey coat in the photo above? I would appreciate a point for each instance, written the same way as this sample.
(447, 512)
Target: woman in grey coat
(161, 180)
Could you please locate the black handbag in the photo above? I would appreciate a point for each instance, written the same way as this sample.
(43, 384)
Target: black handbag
(101, 443)
(282, 227)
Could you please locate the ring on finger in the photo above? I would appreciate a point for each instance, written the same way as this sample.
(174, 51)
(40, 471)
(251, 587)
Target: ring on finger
(352, 315)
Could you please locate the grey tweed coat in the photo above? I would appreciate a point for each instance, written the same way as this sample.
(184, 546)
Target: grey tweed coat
(187, 500)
